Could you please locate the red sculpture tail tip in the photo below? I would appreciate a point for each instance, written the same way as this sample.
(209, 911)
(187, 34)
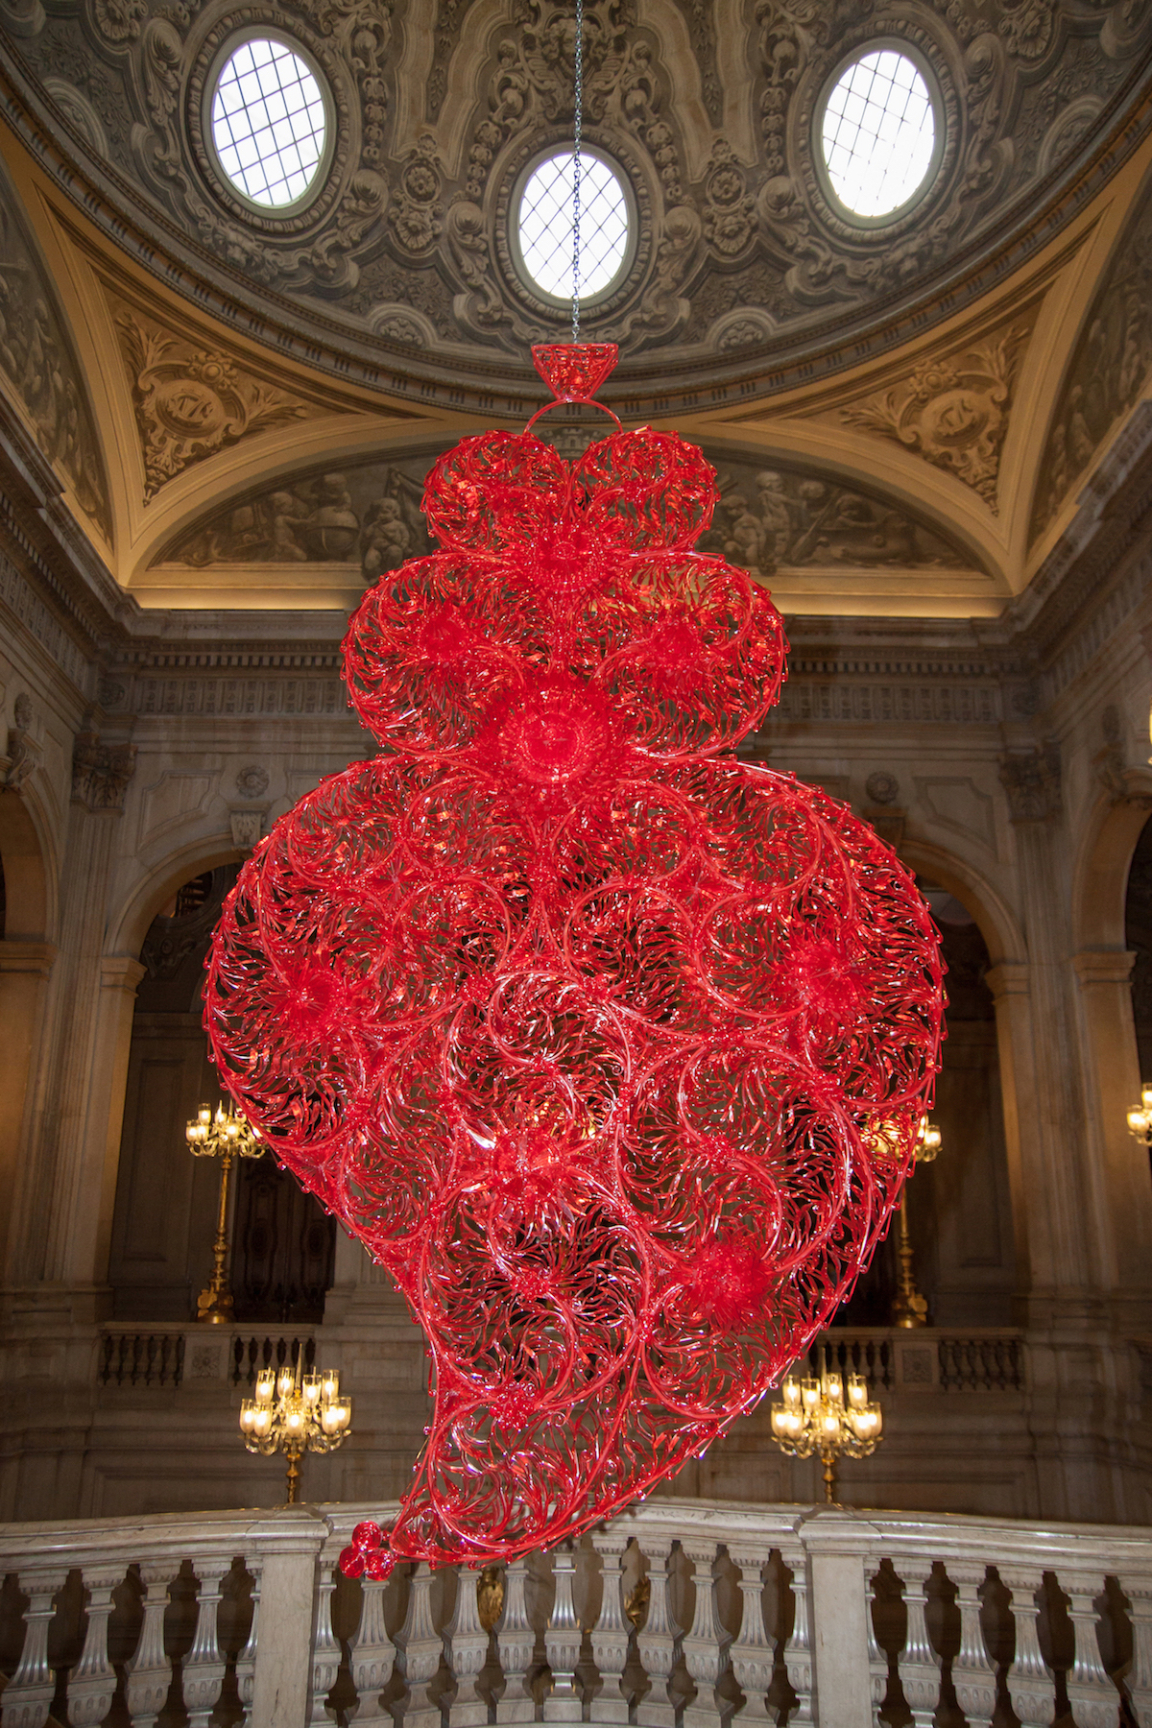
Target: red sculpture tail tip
(574, 371)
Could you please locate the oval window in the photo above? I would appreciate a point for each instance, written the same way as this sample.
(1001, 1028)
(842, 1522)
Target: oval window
(879, 134)
(269, 123)
(544, 226)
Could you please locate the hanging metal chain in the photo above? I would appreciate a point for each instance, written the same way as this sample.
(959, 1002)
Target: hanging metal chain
(577, 124)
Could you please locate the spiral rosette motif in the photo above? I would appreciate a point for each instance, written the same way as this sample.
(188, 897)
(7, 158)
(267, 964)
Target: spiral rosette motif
(610, 1047)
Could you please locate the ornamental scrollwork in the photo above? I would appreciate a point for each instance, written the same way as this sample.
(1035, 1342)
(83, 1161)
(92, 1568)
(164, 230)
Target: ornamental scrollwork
(1031, 779)
(190, 403)
(23, 752)
(101, 773)
(953, 412)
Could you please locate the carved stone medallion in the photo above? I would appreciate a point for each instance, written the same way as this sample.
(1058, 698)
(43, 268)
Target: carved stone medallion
(191, 403)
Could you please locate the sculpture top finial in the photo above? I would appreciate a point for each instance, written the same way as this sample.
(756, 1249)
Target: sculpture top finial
(574, 371)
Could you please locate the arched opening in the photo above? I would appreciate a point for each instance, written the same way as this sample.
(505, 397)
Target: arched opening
(1138, 939)
(959, 1208)
(25, 961)
(283, 1245)
(26, 893)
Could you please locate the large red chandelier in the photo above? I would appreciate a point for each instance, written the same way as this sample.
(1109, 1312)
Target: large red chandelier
(610, 1047)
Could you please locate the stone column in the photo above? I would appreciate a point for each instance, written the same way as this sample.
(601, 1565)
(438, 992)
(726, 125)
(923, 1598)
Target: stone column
(1049, 1088)
(64, 1204)
(836, 1545)
(1009, 983)
(82, 1218)
(1118, 1165)
(1075, 1372)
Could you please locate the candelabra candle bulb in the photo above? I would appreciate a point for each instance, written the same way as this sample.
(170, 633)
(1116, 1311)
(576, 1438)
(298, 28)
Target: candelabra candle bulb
(1140, 1117)
(831, 1416)
(295, 1413)
(226, 1137)
(928, 1141)
(909, 1309)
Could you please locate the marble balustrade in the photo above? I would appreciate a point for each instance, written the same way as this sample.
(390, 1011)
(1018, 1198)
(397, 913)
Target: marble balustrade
(679, 1614)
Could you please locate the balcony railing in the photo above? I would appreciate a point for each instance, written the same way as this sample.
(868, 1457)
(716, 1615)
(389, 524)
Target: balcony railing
(989, 1359)
(680, 1614)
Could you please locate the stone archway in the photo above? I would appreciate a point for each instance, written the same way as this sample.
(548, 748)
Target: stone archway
(961, 1209)
(164, 1214)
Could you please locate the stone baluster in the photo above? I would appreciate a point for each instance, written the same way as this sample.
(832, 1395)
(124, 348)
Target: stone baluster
(516, 1641)
(150, 1670)
(246, 1661)
(877, 1658)
(423, 1647)
(1093, 1698)
(562, 1641)
(1140, 1674)
(326, 1652)
(27, 1698)
(204, 1665)
(656, 1639)
(373, 1655)
(919, 1663)
(703, 1655)
(610, 1633)
(282, 1677)
(973, 1675)
(467, 1648)
(753, 1656)
(1030, 1686)
(92, 1682)
(798, 1649)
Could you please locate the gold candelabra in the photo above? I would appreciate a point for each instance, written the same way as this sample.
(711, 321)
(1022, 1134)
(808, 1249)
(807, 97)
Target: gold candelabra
(909, 1307)
(1140, 1118)
(829, 1415)
(225, 1137)
(294, 1413)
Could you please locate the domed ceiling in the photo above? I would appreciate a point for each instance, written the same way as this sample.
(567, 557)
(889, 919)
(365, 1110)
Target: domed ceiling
(241, 403)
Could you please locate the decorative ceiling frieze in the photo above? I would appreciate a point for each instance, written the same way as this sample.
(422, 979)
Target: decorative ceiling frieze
(772, 518)
(366, 515)
(336, 529)
(743, 269)
(1107, 374)
(39, 366)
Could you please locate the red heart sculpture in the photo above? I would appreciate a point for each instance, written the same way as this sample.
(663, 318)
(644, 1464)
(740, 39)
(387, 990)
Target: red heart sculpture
(610, 1047)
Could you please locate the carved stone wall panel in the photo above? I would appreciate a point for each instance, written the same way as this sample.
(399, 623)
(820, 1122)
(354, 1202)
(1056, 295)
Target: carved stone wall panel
(365, 518)
(404, 250)
(953, 409)
(168, 802)
(367, 515)
(191, 403)
(956, 803)
(1107, 374)
(899, 704)
(229, 697)
(774, 518)
(25, 604)
(39, 366)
